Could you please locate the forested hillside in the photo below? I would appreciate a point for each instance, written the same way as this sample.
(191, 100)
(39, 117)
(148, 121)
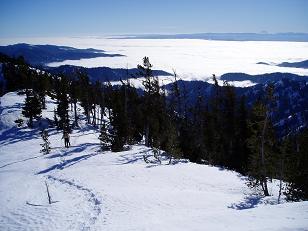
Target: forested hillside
(220, 129)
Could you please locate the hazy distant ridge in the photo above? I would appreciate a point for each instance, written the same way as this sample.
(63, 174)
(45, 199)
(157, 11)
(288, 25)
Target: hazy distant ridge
(295, 37)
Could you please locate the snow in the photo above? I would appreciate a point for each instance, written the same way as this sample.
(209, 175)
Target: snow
(94, 190)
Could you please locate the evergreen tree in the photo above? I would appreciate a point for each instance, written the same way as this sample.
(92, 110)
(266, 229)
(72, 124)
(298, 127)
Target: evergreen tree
(63, 103)
(172, 145)
(74, 94)
(241, 135)
(216, 124)
(32, 108)
(230, 154)
(85, 86)
(296, 171)
(104, 137)
(118, 122)
(262, 143)
(152, 104)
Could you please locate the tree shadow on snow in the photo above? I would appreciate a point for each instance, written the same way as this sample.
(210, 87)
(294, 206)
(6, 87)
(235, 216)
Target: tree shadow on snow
(250, 201)
(130, 158)
(15, 135)
(69, 151)
(67, 163)
(139, 156)
(24, 160)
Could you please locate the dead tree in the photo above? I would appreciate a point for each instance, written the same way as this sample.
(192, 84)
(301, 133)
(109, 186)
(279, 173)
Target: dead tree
(48, 194)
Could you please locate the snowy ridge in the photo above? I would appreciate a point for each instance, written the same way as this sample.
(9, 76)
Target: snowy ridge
(92, 190)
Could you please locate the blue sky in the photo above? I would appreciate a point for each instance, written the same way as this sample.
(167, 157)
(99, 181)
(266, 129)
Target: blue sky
(100, 17)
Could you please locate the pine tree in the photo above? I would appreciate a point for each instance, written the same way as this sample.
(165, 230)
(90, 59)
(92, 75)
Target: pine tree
(172, 145)
(152, 104)
(296, 171)
(118, 121)
(63, 103)
(216, 124)
(62, 112)
(42, 86)
(262, 142)
(230, 156)
(85, 86)
(241, 136)
(32, 108)
(74, 94)
(104, 137)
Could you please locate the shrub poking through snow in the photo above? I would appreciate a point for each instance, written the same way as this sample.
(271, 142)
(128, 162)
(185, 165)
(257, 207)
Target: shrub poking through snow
(46, 144)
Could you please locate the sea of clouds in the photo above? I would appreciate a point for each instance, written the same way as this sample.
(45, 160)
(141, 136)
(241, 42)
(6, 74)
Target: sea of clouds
(190, 58)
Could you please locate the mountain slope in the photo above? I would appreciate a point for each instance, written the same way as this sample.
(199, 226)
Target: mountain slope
(43, 54)
(302, 64)
(93, 190)
(291, 112)
(103, 74)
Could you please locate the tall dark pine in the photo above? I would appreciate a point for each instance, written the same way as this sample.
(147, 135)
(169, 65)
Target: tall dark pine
(228, 125)
(118, 122)
(32, 108)
(262, 142)
(241, 135)
(84, 84)
(74, 94)
(215, 124)
(296, 171)
(63, 103)
(104, 137)
(42, 86)
(152, 104)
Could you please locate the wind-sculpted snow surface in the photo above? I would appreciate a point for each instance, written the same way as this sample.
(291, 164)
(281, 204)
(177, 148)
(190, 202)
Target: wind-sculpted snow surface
(92, 190)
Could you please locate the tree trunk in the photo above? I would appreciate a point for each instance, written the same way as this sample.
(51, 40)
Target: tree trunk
(88, 116)
(44, 102)
(75, 113)
(94, 115)
(102, 114)
(281, 176)
(263, 167)
(31, 121)
(147, 131)
(49, 198)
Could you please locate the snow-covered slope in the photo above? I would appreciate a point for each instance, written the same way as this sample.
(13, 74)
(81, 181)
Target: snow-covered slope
(94, 190)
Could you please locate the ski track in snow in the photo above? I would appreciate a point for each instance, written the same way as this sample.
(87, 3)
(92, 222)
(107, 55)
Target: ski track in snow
(26, 215)
(94, 201)
(86, 203)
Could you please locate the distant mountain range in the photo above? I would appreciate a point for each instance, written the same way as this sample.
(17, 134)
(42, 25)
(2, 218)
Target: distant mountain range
(295, 37)
(301, 64)
(40, 55)
(262, 78)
